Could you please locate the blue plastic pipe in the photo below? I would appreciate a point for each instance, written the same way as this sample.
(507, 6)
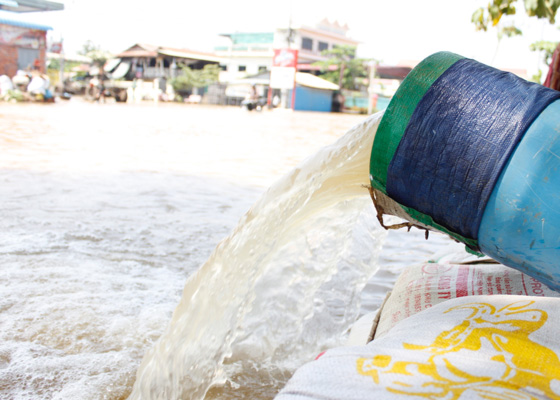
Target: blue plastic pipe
(520, 226)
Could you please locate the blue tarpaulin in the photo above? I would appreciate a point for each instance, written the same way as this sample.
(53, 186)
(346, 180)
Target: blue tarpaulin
(458, 140)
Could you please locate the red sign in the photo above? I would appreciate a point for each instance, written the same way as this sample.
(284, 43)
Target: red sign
(283, 72)
(56, 47)
(285, 58)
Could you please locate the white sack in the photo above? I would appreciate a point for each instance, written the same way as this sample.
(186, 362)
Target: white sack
(422, 286)
(478, 347)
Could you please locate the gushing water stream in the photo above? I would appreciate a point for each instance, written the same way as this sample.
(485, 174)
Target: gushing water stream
(282, 287)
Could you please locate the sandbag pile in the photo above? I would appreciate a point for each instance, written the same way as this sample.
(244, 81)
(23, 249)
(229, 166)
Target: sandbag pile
(423, 286)
(473, 152)
(476, 347)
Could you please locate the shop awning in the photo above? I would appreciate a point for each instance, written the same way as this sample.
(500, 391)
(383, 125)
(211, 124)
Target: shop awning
(189, 55)
(312, 81)
(22, 6)
(24, 24)
(9, 3)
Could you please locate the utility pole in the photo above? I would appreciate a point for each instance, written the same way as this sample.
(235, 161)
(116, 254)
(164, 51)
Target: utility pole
(372, 98)
(61, 66)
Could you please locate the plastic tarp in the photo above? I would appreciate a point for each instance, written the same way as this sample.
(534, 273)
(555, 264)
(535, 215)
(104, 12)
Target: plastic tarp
(458, 140)
(121, 70)
(392, 128)
(111, 64)
(399, 111)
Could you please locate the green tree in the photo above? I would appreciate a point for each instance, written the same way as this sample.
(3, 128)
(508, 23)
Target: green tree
(210, 74)
(349, 68)
(195, 78)
(54, 64)
(491, 16)
(483, 18)
(546, 47)
(93, 51)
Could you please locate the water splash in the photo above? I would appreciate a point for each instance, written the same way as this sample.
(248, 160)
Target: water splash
(283, 286)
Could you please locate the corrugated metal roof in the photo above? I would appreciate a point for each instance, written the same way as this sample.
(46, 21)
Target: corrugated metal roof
(24, 24)
(137, 53)
(313, 81)
(302, 78)
(189, 54)
(25, 6)
(144, 50)
(10, 3)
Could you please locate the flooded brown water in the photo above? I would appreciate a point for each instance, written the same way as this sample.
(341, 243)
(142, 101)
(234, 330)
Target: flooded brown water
(107, 209)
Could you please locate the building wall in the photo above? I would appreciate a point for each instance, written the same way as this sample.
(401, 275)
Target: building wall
(253, 50)
(249, 66)
(309, 99)
(315, 39)
(8, 60)
(12, 39)
(312, 38)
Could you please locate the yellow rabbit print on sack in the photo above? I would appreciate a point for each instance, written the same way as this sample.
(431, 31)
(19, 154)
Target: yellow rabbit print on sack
(448, 369)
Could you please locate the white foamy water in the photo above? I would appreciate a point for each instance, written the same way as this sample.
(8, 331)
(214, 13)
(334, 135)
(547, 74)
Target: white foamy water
(107, 210)
(283, 286)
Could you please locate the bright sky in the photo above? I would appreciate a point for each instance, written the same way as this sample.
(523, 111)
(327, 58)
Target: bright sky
(389, 30)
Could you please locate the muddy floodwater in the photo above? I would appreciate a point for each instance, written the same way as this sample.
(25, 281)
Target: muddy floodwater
(106, 211)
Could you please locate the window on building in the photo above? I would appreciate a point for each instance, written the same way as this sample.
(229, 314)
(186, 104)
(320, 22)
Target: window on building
(242, 68)
(223, 67)
(306, 43)
(262, 68)
(323, 46)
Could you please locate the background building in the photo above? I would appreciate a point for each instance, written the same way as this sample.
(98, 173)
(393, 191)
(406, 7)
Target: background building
(23, 45)
(250, 53)
(245, 54)
(312, 41)
(148, 62)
